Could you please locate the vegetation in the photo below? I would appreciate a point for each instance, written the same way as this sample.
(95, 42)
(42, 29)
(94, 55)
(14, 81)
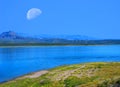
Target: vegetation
(78, 75)
(52, 42)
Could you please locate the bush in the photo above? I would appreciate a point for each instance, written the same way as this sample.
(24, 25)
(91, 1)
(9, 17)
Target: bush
(73, 81)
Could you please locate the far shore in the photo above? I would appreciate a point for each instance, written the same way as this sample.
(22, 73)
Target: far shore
(8, 46)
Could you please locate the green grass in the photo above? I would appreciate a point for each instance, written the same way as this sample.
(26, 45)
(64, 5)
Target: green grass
(78, 75)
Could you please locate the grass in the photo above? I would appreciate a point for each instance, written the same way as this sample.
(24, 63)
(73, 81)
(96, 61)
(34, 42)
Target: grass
(78, 75)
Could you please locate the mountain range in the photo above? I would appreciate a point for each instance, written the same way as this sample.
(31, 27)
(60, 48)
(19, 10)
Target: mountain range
(14, 35)
(11, 37)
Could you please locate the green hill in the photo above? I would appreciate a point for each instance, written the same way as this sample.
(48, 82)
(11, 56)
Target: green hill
(78, 75)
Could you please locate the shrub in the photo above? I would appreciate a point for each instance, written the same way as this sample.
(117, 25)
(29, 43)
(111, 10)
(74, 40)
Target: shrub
(73, 81)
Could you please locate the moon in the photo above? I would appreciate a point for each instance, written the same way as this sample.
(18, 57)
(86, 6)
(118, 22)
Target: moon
(33, 13)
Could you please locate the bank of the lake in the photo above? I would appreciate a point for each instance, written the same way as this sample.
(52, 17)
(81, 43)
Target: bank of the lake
(18, 61)
(98, 74)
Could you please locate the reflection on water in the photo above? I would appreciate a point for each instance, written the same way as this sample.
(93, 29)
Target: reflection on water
(17, 61)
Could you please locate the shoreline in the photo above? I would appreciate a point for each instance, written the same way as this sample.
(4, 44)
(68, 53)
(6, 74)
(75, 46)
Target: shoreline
(9, 46)
(96, 73)
(31, 75)
(39, 73)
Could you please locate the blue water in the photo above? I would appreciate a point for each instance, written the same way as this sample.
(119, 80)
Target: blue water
(17, 61)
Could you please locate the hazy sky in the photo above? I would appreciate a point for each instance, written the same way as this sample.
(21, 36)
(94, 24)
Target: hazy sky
(96, 18)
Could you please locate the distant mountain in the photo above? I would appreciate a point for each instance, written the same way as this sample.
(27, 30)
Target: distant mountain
(67, 37)
(11, 37)
(14, 35)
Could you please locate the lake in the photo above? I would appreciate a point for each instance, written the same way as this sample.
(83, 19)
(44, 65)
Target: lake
(17, 61)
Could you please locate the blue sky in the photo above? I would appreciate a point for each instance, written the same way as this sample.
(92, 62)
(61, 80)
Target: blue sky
(96, 18)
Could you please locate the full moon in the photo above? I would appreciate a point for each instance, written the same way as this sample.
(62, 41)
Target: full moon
(33, 13)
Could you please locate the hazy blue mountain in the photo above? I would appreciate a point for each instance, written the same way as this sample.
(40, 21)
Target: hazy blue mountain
(12, 37)
(67, 37)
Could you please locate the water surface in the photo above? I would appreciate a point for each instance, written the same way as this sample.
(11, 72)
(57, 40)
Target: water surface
(17, 61)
